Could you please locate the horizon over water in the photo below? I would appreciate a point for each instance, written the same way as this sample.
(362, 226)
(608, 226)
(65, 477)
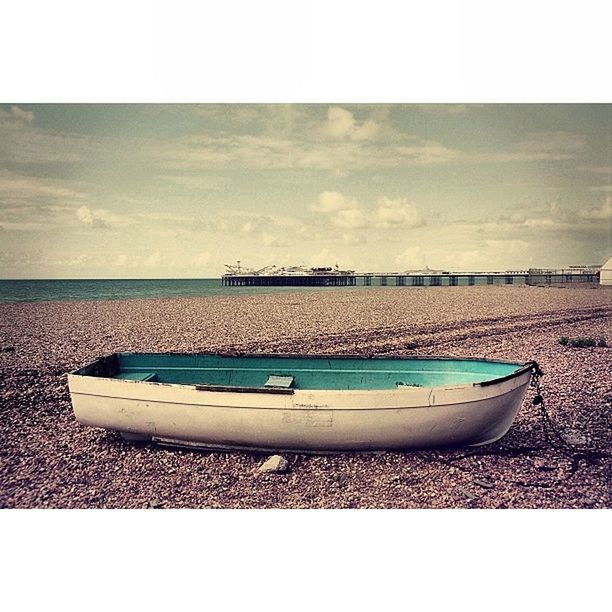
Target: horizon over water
(43, 290)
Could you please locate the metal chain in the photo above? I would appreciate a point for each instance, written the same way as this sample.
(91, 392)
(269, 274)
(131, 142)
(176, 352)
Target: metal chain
(556, 440)
(547, 424)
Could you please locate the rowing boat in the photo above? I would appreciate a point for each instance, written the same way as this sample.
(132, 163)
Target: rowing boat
(316, 403)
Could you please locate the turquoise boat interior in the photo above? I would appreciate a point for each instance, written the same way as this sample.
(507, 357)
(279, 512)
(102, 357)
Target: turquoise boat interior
(278, 373)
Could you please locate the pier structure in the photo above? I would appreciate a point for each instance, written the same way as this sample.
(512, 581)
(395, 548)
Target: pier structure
(289, 280)
(325, 277)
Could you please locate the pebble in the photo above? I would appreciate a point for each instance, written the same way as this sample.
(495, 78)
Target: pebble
(575, 438)
(485, 484)
(275, 464)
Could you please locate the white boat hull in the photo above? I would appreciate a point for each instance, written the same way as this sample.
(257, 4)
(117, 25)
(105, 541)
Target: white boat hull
(304, 420)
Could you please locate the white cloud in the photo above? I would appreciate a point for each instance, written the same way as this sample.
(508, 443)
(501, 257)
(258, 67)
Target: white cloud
(368, 130)
(541, 222)
(353, 218)
(396, 213)
(347, 213)
(15, 186)
(346, 147)
(85, 215)
(98, 217)
(341, 124)
(333, 201)
(417, 152)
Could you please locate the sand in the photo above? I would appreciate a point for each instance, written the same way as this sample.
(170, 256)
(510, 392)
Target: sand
(48, 460)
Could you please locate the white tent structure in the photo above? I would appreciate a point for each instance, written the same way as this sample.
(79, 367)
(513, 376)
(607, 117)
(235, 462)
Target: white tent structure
(605, 274)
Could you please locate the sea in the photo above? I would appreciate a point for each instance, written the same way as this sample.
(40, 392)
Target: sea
(125, 289)
(63, 290)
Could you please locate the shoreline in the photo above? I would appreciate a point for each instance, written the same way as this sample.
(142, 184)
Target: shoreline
(219, 291)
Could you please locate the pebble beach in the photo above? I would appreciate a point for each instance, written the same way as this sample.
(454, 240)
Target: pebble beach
(48, 460)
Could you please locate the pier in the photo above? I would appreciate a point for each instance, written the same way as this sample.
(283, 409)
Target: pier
(430, 279)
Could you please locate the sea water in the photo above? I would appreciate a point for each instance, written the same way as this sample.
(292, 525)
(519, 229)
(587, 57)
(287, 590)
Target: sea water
(125, 289)
(53, 290)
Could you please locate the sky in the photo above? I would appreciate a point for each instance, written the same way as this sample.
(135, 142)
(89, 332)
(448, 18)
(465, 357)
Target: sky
(178, 191)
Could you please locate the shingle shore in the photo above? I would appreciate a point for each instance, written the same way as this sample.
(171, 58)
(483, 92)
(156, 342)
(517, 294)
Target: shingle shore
(49, 460)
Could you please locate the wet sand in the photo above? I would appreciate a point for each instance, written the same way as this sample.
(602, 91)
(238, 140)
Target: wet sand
(48, 460)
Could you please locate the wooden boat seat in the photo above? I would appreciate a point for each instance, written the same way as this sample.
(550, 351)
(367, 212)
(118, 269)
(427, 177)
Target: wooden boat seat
(139, 376)
(275, 380)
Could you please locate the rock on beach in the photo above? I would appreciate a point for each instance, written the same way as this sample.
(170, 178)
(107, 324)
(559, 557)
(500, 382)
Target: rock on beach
(274, 464)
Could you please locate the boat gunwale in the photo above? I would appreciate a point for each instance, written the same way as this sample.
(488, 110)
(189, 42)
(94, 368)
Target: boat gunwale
(524, 367)
(359, 409)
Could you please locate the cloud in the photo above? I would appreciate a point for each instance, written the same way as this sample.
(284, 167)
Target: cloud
(551, 145)
(537, 146)
(346, 213)
(538, 215)
(353, 218)
(22, 142)
(249, 227)
(396, 213)
(347, 146)
(99, 217)
(341, 124)
(20, 187)
(419, 152)
(601, 213)
(333, 201)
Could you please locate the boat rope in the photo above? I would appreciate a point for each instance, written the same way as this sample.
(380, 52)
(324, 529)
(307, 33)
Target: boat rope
(552, 434)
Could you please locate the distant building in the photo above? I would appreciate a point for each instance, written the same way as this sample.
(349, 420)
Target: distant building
(605, 274)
